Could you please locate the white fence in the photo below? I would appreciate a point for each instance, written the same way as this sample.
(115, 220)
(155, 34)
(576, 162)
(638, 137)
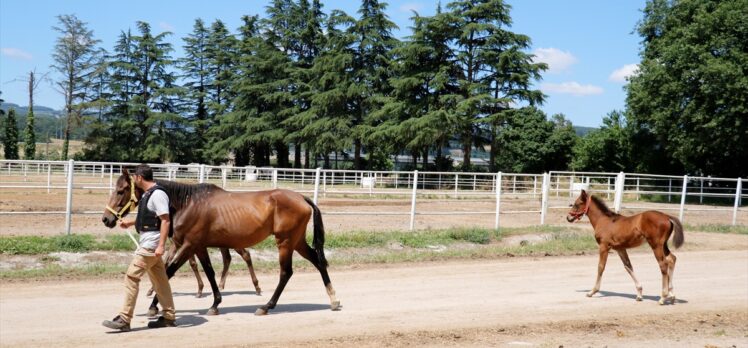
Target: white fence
(542, 192)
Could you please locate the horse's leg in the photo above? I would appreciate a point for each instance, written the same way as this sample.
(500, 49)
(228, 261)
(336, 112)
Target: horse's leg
(604, 249)
(182, 255)
(670, 259)
(659, 252)
(308, 253)
(200, 285)
(285, 252)
(627, 265)
(248, 259)
(204, 258)
(226, 263)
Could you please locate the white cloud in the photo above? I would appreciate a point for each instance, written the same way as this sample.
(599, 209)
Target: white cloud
(16, 53)
(411, 6)
(572, 87)
(620, 74)
(166, 26)
(556, 59)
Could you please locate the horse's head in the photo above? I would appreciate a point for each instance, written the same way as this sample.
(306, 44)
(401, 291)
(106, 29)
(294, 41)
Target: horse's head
(124, 198)
(580, 207)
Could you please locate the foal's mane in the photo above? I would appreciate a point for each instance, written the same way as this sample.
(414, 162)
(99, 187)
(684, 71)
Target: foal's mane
(603, 208)
(181, 193)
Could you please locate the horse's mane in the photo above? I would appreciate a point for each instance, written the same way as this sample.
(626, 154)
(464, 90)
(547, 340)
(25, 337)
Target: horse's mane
(604, 208)
(181, 193)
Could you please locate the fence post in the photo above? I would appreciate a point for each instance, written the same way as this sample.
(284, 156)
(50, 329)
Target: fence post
(413, 201)
(316, 183)
(275, 178)
(638, 195)
(701, 196)
(534, 186)
(619, 185)
(683, 197)
(738, 191)
(49, 177)
(111, 179)
(498, 200)
(201, 174)
(69, 208)
(669, 189)
(544, 197)
(223, 177)
(457, 182)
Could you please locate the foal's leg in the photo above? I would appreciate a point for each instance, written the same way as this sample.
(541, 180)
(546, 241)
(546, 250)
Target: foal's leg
(204, 258)
(604, 249)
(285, 252)
(226, 263)
(308, 253)
(660, 256)
(627, 265)
(248, 259)
(193, 265)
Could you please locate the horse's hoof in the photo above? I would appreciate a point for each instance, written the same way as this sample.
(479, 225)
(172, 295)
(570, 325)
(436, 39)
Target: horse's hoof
(152, 312)
(212, 311)
(258, 291)
(589, 294)
(638, 298)
(199, 295)
(261, 311)
(335, 306)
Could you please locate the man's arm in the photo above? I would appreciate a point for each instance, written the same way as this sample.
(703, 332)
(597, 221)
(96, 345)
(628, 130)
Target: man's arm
(126, 224)
(165, 226)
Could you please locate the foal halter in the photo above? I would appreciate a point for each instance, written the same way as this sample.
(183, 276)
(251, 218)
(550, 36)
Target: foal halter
(578, 214)
(128, 206)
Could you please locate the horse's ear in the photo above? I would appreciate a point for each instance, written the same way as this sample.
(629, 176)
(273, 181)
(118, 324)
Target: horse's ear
(584, 194)
(125, 172)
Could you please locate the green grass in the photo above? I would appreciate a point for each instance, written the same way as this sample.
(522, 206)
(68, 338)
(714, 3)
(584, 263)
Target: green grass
(31, 245)
(738, 229)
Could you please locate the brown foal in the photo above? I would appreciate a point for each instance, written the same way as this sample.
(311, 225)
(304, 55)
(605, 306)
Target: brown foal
(618, 232)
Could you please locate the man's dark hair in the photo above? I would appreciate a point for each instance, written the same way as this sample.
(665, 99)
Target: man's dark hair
(145, 171)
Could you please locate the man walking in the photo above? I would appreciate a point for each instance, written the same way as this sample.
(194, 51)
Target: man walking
(153, 224)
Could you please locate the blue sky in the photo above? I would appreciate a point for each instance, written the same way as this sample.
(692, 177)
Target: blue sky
(589, 45)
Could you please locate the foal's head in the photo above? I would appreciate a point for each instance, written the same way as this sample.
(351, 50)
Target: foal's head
(580, 207)
(124, 198)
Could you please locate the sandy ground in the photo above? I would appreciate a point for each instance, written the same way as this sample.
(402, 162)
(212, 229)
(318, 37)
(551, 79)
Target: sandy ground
(509, 302)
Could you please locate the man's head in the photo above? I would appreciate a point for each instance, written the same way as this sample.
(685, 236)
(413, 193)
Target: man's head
(143, 175)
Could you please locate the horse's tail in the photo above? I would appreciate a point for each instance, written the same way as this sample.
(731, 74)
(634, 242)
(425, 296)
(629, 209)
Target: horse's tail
(677, 230)
(318, 241)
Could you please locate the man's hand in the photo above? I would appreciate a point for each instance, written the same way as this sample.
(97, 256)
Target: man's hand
(159, 251)
(125, 224)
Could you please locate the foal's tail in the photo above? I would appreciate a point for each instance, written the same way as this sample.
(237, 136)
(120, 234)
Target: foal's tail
(318, 241)
(677, 229)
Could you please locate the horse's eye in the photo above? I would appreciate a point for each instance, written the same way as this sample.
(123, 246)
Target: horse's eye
(119, 192)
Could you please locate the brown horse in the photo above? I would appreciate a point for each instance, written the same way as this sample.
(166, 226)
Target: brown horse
(208, 216)
(618, 232)
(226, 255)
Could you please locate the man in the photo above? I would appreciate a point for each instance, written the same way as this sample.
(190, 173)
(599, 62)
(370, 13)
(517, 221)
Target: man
(153, 224)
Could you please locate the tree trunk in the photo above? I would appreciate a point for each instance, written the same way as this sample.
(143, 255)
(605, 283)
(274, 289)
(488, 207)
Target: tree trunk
(425, 157)
(357, 154)
(326, 156)
(466, 153)
(297, 155)
(307, 160)
(492, 156)
(281, 150)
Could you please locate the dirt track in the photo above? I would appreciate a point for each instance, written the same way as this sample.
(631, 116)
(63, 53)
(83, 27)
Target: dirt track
(509, 302)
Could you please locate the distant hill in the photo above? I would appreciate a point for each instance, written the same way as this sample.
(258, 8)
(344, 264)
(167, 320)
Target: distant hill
(48, 122)
(582, 131)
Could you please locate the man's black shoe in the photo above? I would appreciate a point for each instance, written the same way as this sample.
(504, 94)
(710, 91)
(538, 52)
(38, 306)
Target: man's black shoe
(162, 322)
(117, 324)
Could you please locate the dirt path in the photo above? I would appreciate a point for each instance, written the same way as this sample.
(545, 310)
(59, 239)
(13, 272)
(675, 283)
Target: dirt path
(509, 302)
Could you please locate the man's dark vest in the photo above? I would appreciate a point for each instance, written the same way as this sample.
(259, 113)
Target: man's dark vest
(147, 220)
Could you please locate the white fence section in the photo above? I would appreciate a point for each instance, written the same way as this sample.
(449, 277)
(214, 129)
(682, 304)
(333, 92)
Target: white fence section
(542, 192)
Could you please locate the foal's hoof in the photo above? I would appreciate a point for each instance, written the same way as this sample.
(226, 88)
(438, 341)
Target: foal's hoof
(335, 306)
(199, 295)
(258, 291)
(638, 298)
(152, 312)
(212, 311)
(261, 311)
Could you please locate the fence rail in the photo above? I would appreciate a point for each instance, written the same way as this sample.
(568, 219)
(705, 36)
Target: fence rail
(548, 191)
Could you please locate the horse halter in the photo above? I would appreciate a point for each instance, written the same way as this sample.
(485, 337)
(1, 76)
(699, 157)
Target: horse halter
(578, 214)
(128, 206)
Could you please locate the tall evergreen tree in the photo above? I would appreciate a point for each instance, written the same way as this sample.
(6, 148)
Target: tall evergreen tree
(74, 58)
(10, 143)
(29, 136)
(373, 42)
(198, 75)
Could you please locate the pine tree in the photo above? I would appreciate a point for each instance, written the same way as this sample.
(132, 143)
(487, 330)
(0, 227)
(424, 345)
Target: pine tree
(196, 70)
(29, 136)
(10, 144)
(373, 42)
